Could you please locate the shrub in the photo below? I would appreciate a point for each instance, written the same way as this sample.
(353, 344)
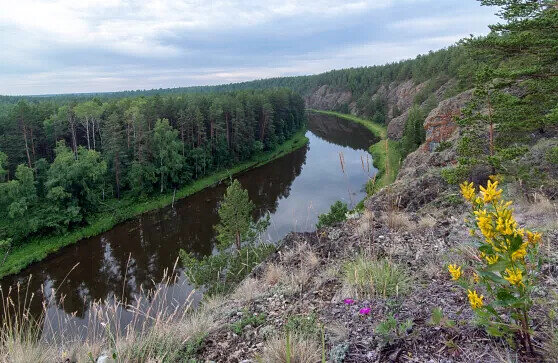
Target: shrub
(454, 175)
(505, 266)
(304, 326)
(376, 277)
(390, 329)
(221, 272)
(247, 319)
(443, 145)
(336, 214)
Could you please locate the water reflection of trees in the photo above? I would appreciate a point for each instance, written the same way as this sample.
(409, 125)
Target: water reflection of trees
(136, 254)
(340, 131)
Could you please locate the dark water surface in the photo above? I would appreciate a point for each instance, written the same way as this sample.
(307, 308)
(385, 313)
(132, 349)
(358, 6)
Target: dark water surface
(133, 257)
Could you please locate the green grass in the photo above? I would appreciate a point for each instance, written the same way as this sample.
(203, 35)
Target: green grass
(368, 277)
(39, 248)
(378, 150)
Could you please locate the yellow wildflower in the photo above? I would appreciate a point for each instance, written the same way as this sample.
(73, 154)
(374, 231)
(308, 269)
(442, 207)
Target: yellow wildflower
(533, 238)
(484, 222)
(471, 232)
(491, 260)
(491, 192)
(520, 253)
(455, 271)
(468, 191)
(479, 201)
(474, 299)
(514, 276)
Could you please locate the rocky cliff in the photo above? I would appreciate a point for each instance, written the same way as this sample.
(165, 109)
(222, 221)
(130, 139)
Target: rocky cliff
(398, 97)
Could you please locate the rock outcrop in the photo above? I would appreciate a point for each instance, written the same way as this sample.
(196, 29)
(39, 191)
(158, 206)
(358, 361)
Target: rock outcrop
(327, 98)
(440, 123)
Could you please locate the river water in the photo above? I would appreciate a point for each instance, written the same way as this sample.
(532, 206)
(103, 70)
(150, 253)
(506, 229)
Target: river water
(134, 256)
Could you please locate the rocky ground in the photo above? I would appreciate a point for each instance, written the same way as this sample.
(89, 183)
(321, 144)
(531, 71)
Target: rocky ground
(417, 225)
(302, 289)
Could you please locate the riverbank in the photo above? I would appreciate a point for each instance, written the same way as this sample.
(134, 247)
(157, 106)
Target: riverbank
(121, 210)
(386, 156)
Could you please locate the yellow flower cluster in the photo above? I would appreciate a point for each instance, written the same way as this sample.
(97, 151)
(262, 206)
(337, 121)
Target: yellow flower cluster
(455, 271)
(514, 276)
(491, 192)
(497, 225)
(468, 191)
(474, 299)
(533, 238)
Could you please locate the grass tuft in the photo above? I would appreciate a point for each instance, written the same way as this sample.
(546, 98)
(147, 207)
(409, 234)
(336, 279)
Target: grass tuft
(366, 277)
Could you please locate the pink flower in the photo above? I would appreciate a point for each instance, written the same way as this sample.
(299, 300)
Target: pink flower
(349, 301)
(364, 311)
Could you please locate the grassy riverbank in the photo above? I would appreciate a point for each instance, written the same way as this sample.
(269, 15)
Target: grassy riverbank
(385, 153)
(126, 208)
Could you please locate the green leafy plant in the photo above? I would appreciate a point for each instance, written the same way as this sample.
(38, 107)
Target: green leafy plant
(390, 329)
(305, 326)
(505, 265)
(439, 319)
(248, 319)
(336, 214)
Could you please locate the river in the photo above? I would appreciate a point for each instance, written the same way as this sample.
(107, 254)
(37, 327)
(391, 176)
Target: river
(134, 256)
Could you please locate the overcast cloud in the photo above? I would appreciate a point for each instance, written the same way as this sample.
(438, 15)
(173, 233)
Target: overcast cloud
(61, 46)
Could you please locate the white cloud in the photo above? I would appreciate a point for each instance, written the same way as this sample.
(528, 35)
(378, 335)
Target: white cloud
(53, 46)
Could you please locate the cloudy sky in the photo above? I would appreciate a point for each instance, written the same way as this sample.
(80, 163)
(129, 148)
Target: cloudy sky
(61, 46)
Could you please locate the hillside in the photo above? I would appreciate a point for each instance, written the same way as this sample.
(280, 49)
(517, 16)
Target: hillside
(453, 259)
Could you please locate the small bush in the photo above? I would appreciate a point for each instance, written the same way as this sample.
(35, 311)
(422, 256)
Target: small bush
(305, 326)
(552, 155)
(454, 175)
(248, 319)
(221, 272)
(443, 145)
(370, 277)
(390, 329)
(336, 214)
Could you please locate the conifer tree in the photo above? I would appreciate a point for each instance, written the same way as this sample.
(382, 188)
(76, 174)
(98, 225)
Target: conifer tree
(235, 216)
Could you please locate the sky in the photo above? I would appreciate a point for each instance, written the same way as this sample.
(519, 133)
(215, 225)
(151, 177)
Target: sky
(67, 46)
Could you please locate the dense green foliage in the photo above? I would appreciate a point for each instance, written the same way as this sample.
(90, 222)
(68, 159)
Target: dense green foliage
(434, 67)
(516, 96)
(413, 134)
(337, 213)
(220, 272)
(61, 163)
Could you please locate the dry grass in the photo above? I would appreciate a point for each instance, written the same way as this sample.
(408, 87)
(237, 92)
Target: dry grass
(366, 277)
(248, 290)
(398, 221)
(426, 223)
(274, 274)
(159, 330)
(302, 350)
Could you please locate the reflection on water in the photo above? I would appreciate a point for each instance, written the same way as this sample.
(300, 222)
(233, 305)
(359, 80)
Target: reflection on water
(129, 259)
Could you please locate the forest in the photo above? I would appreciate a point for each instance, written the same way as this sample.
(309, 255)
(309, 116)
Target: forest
(61, 160)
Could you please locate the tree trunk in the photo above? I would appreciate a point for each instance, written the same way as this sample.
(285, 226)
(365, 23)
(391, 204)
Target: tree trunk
(74, 139)
(117, 173)
(26, 144)
(93, 132)
(87, 133)
(182, 135)
(227, 127)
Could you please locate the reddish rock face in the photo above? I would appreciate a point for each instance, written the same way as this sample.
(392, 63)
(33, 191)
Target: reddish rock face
(440, 123)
